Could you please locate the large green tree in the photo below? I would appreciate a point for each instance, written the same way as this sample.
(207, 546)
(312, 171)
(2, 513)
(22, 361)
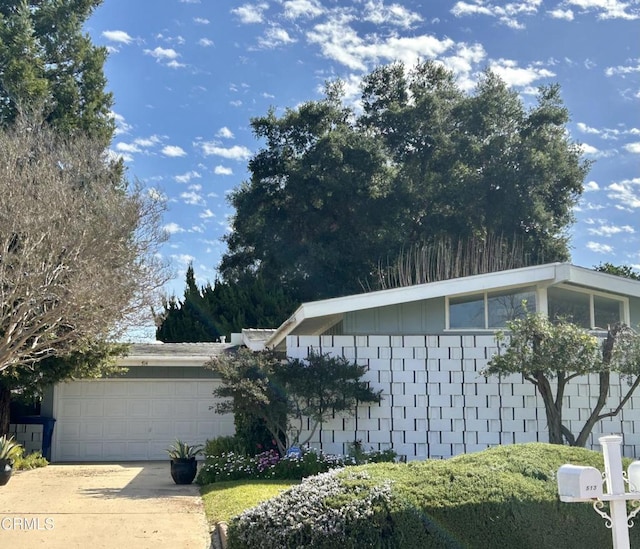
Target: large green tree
(47, 64)
(335, 191)
(207, 312)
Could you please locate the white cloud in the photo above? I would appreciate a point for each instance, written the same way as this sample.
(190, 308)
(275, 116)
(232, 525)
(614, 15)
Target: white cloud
(173, 228)
(633, 147)
(513, 75)
(250, 13)
(201, 21)
(376, 12)
(506, 14)
(157, 195)
(339, 41)
(567, 15)
(147, 141)
(173, 151)
(127, 147)
(205, 42)
(591, 186)
(173, 64)
(294, 9)
(236, 152)
(623, 70)
(207, 214)
(183, 259)
(589, 149)
(192, 198)
(587, 129)
(225, 133)
(186, 177)
(599, 248)
(121, 125)
(222, 170)
(118, 36)
(162, 54)
(610, 230)
(274, 37)
(608, 9)
(626, 192)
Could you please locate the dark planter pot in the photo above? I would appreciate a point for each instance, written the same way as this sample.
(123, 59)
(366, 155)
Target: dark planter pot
(183, 471)
(6, 468)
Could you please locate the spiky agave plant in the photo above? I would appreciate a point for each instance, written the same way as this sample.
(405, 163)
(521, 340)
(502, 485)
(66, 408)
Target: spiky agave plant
(182, 450)
(10, 450)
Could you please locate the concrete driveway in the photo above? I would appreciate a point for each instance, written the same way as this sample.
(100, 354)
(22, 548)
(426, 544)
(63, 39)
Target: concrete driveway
(110, 506)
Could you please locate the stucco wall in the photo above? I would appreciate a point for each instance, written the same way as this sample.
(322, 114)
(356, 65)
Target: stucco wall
(437, 404)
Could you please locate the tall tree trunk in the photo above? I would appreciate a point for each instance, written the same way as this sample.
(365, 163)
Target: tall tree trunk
(5, 409)
(554, 413)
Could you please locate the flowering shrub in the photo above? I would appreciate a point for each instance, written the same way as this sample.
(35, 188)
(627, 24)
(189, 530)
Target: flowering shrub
(267, 465)
(323, 511)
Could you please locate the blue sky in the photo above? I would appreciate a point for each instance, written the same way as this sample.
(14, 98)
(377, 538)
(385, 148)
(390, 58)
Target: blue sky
(188, 75)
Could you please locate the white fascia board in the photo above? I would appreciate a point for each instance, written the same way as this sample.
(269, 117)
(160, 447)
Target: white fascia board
(602, 281)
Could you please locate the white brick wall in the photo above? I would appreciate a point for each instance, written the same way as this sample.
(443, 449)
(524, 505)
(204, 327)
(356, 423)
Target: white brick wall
(437, 404)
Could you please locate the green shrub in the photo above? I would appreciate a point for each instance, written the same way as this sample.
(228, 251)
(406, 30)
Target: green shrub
(360, 456)
(30, 461)
(500, 498)
(224, 445)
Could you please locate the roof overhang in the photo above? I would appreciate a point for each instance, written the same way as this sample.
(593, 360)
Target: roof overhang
(317, 316)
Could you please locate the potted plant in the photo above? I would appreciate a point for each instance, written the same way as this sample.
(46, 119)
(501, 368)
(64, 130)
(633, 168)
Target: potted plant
(10, 450)
(183, 461)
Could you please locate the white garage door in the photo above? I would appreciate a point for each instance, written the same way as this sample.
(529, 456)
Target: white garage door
(123, 420)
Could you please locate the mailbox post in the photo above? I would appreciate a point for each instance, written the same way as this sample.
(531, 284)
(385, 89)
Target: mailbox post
(584, 484)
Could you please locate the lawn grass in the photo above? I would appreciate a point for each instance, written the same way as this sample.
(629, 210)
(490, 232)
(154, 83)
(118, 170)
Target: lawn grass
(223, 500)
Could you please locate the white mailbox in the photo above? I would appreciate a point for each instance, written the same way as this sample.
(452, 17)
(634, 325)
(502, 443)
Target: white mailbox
(576, 482)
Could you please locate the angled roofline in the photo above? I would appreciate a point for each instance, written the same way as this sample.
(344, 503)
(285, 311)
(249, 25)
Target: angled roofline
(552, 273)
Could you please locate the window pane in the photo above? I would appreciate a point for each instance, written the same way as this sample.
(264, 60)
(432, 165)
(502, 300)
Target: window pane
(606, 311)
(568, 305)
(507, 306)
(466, 312)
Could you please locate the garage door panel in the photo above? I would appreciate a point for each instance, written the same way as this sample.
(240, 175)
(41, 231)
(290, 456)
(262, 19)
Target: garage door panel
(138, 408)
(71, 408)
(161, 389)
(138, 429)
(162, 408)
(139, 389)
(163, 429)
(133, 419)
(186, 389)
(93, 389)
(114, 408)
(185, 409)
(92, 408)
(92, 430)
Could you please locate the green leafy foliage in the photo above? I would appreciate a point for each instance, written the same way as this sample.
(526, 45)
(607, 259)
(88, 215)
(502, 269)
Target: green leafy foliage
(501, 497)
(543, 351)
(618, 270)
(282, 393)
(49, 65)
(335, 192)
(33, 460)
(208, 312)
